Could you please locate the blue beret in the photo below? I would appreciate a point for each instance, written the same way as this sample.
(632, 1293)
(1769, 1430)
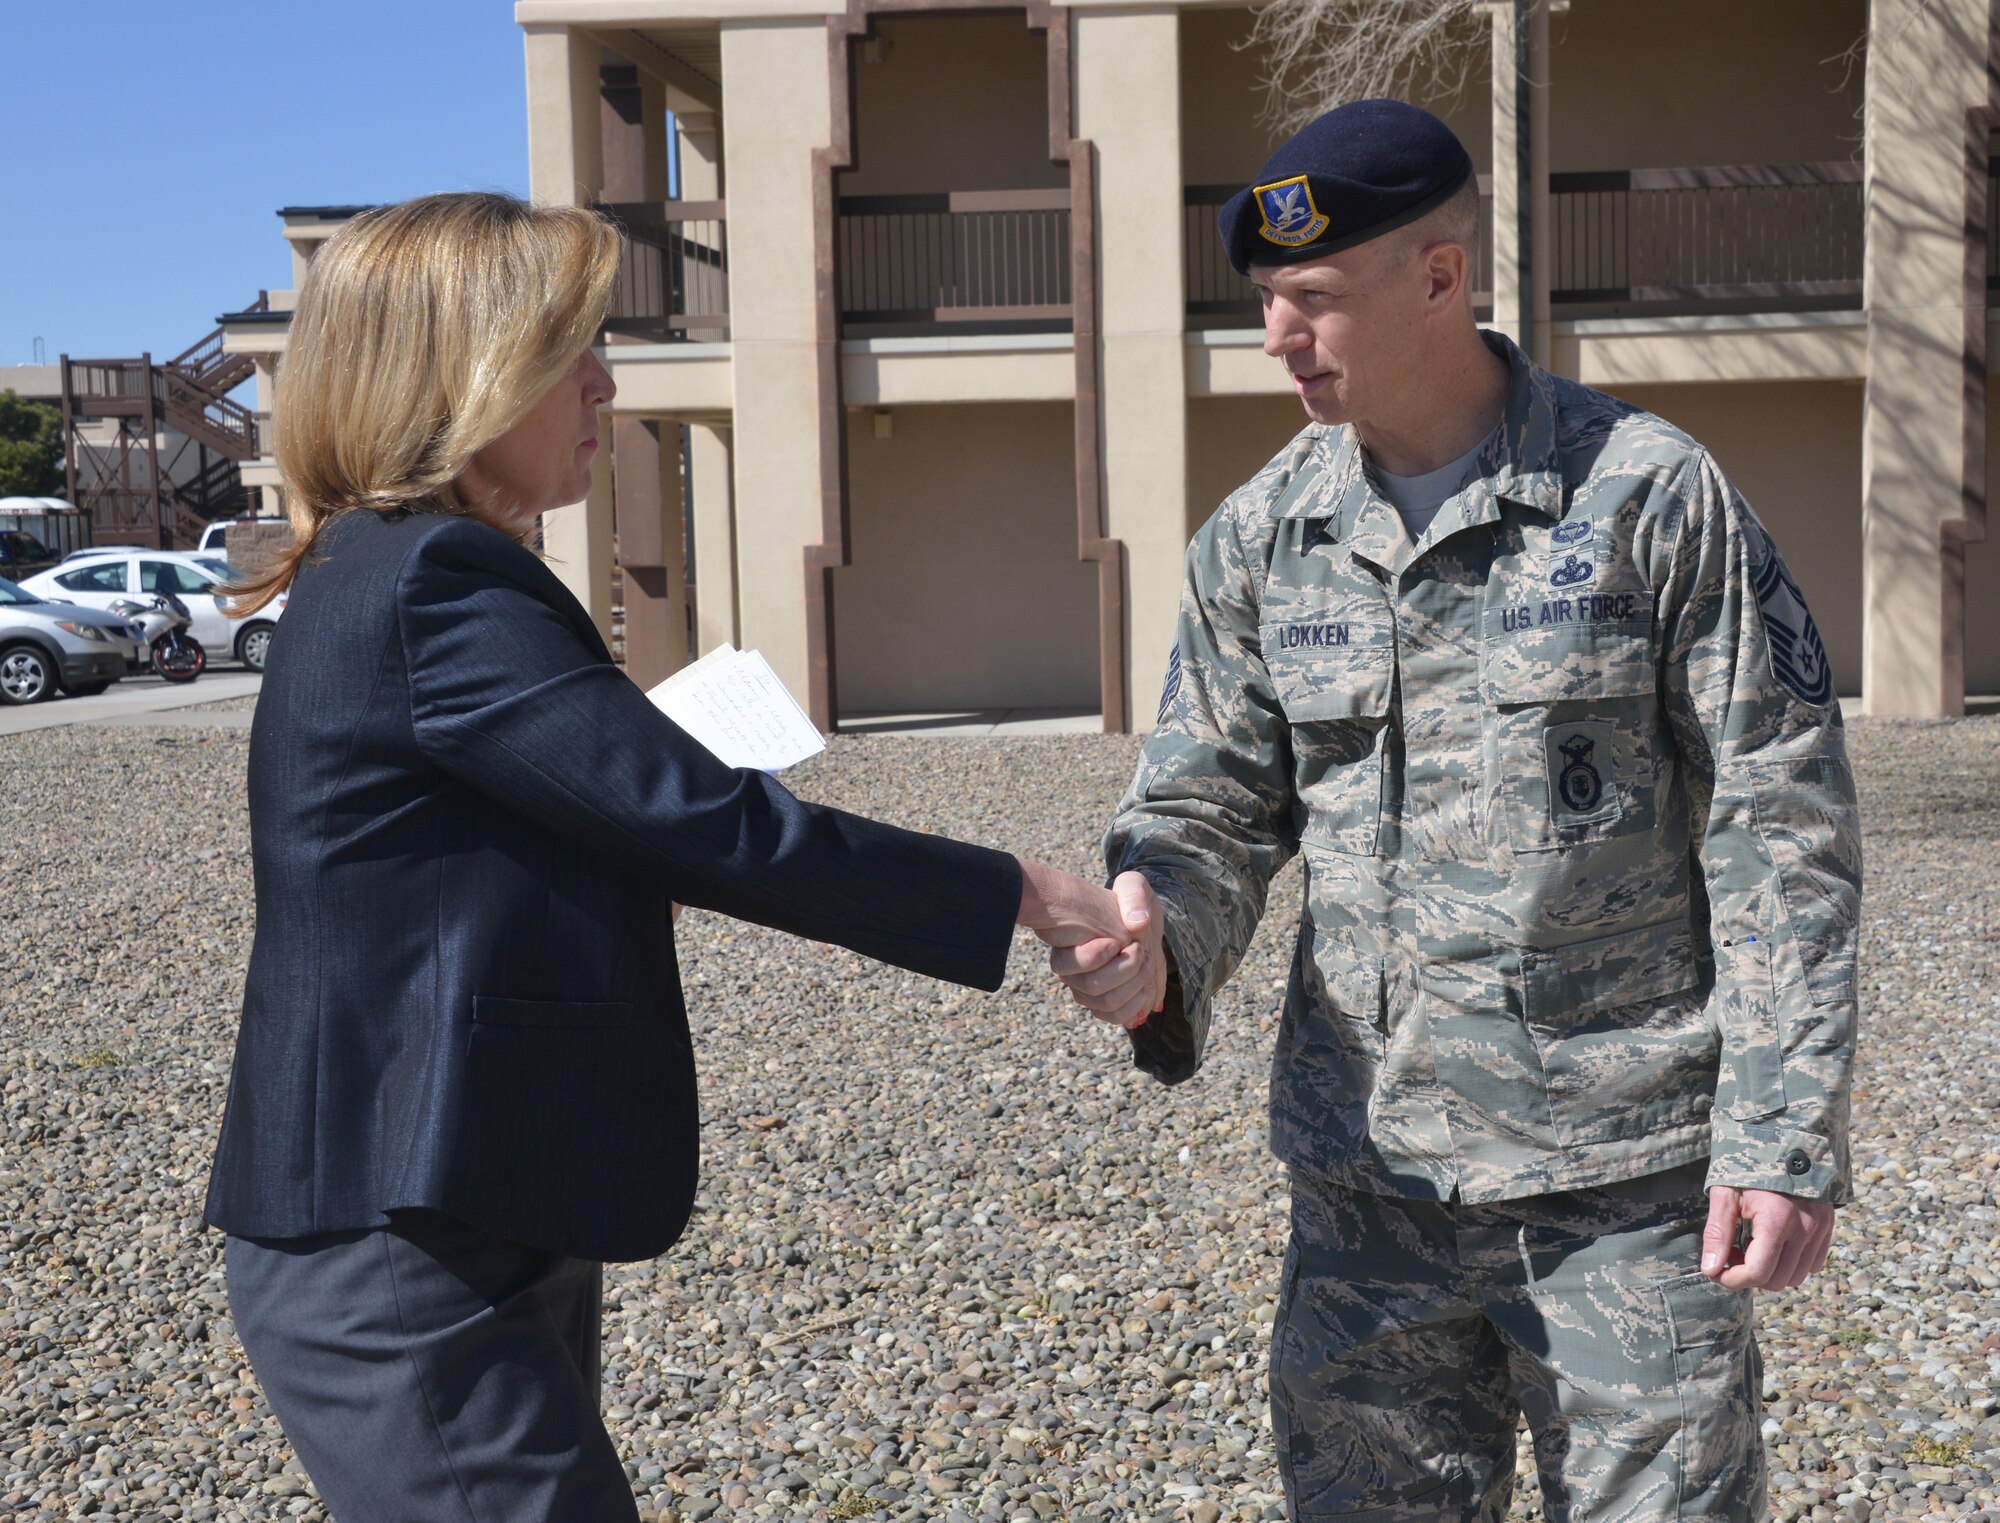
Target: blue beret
(1357, 172)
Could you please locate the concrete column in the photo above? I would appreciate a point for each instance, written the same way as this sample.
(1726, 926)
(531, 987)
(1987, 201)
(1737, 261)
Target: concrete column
(782, 430)
(701, 154)
(646, 461)
(565, 131)
(267, 401)
(566, 167)
(716, 620)
(1923, 441)
(1521, 174)
(1128, 102)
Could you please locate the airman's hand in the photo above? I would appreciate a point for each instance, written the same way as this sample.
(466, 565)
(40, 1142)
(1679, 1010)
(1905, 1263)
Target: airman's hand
(1788, 1239)
(1117, 982)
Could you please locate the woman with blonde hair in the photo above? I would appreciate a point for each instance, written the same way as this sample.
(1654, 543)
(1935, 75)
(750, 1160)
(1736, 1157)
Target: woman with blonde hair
(463, 1078)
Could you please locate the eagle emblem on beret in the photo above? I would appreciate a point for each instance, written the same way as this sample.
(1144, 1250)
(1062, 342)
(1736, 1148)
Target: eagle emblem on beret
(1290, 218)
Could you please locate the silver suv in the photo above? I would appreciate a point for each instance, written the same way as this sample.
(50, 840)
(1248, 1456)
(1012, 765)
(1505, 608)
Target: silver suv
(45, 646)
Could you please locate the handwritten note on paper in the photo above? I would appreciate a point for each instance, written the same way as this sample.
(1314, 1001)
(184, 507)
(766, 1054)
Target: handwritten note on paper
(733, 703)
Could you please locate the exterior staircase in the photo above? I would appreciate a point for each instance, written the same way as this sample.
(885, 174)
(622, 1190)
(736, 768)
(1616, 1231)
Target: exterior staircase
(133, 496)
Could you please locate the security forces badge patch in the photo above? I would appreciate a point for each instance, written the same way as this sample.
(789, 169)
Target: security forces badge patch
(1290, 218)
(1798, 659)
(1579, 759)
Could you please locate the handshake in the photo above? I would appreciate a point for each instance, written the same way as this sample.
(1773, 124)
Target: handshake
(1106, 944)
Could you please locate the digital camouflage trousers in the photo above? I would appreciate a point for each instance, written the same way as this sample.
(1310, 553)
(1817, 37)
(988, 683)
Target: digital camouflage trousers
(1412, 1335)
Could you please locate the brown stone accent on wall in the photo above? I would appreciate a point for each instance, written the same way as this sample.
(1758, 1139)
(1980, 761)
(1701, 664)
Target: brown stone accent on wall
(1969, 527)
(831, 551)
(255, 548)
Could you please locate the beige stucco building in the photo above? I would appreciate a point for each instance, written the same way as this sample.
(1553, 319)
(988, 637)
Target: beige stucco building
(937, 359)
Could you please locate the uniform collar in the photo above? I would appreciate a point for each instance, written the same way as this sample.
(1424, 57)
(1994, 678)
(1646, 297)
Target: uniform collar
(1519, 466)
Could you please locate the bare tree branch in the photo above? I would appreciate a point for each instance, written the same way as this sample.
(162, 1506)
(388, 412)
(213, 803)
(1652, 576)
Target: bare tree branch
(1325, 53)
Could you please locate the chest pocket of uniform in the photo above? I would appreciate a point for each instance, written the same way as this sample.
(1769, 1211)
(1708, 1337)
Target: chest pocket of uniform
(1333, 677)
(1573, 712)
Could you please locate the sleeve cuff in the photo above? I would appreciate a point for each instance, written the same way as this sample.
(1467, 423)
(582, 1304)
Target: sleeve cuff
(1170, 1043)
(1809, 1165)
(1164, 1044)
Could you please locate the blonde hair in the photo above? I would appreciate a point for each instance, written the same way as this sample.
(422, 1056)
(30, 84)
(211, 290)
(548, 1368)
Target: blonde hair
(424, 331)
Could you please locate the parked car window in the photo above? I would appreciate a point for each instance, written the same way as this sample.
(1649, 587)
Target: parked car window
(169, 576)
(106, 576)
(9, 593)
(24, 547)
(222, 568)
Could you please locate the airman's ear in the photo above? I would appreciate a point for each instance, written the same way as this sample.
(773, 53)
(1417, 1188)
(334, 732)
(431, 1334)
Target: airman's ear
(1445, 270)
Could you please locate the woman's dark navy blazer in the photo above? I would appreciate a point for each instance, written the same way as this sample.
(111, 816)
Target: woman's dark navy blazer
(468, 827)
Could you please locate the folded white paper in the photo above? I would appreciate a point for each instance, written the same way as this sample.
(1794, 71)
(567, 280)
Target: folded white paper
(733, 703)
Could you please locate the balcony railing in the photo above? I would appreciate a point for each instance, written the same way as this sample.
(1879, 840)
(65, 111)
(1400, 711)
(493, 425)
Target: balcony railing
(1217, 297)
(995, 259)
(673, 273)
(1761, 237)
(1741, 238)
(1766, 237)
(122, 381)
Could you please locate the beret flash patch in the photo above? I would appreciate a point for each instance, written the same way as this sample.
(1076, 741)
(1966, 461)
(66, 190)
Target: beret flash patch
(1290, 218)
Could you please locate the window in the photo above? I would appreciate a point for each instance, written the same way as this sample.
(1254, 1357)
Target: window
(170, 576)
(24, 547)
(104, 576)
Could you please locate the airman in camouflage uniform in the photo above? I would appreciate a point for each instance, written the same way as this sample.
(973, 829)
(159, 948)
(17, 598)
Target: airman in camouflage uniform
(1583, 872)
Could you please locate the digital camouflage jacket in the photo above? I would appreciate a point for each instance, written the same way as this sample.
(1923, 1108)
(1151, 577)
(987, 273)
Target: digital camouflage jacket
(1579, 829)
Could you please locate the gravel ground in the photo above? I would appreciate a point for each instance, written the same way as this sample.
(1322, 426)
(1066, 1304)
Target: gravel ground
(953, 1259)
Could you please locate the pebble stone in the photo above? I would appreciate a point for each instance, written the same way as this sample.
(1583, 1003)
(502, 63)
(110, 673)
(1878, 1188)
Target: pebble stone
(953, 1259)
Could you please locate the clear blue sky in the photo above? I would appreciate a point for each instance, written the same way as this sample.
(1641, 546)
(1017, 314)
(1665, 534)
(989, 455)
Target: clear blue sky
(153, 143)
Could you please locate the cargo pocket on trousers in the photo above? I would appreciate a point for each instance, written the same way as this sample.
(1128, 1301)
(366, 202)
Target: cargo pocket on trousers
(1335, 695)
(1719, 1379)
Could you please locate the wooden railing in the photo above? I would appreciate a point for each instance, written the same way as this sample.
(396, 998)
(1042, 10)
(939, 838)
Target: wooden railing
(219, 422)
(1754, 237)
(118, 388)
(120, 382)
(206, 362)
(673, 273)
(957, 258)
(1217, 297)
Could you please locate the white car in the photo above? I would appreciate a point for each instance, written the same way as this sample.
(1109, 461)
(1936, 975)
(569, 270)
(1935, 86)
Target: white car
(200, 581)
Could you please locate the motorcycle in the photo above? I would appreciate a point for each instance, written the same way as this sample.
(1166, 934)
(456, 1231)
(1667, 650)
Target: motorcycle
(162, 621)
